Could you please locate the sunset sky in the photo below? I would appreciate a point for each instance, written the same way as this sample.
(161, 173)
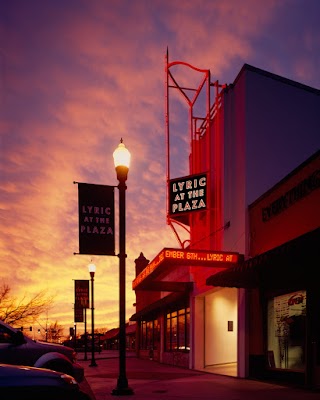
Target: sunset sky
(75, 77)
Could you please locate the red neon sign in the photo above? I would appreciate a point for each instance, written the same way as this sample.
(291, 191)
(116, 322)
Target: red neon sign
(200, 255)
(186, 257)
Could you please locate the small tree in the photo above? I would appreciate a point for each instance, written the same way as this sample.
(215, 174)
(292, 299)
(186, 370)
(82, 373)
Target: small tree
(23, 311)
(52, 333)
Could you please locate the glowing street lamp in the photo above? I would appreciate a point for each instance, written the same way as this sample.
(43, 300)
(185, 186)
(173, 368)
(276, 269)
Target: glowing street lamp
(92, 270)
(122, 158)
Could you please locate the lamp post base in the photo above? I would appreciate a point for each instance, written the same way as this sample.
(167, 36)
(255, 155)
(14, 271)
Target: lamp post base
(122, 388)
(122, 391)
(93, 364)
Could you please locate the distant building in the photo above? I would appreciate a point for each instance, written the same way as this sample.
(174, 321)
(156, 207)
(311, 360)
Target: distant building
(110, 340)
(241, 296)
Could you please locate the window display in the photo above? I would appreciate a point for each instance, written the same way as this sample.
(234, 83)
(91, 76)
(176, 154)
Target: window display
(286, 331)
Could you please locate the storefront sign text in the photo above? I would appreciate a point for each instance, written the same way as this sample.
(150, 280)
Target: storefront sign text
(299, 191)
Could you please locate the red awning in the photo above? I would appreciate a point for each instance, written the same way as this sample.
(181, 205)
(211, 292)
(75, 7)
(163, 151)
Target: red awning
(289, 265)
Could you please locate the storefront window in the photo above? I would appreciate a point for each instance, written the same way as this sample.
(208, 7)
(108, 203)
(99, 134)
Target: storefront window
(143, 335)
(149, 335)
(174, 331)
(286, 331)
(156, 334)
(177, 330)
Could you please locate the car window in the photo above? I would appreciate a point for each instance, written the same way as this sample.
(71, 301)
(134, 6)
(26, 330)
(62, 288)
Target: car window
(5, 335)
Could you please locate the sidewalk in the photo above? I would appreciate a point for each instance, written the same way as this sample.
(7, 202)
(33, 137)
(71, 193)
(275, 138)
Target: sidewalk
(151, 380)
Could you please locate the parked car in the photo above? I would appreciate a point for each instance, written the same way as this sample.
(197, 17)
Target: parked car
(20, 382)
(18, 349)
(80, 343)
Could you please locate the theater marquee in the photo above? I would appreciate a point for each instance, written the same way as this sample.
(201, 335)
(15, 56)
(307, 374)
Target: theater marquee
(169, 257)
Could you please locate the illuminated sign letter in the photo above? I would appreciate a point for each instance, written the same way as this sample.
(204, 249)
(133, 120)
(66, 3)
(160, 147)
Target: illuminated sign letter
(188, 194)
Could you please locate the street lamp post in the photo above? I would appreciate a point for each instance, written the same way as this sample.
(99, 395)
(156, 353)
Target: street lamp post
(92, 270)
(85, 336)
(74, 336)
(121, 162)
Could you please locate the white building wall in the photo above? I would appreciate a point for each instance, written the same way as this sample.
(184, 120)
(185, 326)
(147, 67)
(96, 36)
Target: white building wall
(270, 125)
(221, 344)
(197, 333)
(282, 129)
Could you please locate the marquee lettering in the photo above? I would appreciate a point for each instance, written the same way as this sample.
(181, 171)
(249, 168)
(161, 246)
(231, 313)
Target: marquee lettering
(188, 206)
(187, 257)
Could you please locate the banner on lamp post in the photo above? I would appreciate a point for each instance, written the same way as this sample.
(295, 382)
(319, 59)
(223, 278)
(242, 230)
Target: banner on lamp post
(96, 219)
(81, 293)
(78, 314)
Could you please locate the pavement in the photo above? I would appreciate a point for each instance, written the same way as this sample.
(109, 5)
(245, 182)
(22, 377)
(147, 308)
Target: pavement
(150, 380)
